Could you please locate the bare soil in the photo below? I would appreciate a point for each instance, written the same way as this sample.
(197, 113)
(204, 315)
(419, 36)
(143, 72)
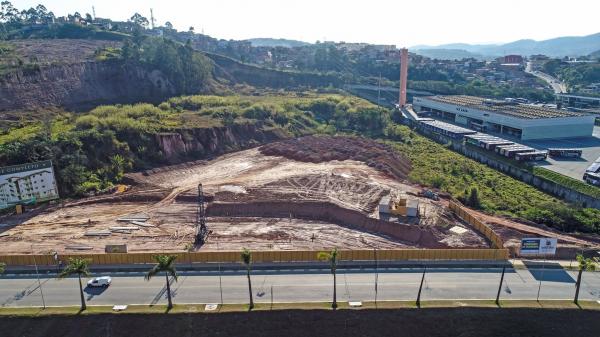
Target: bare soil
(167, 196)
(319, 149)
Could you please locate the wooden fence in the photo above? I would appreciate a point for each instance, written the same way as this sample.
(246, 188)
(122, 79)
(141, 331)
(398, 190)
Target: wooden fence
(479, 225)
(267, 256)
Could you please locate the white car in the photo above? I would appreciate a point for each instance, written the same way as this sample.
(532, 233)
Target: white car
(103, 281)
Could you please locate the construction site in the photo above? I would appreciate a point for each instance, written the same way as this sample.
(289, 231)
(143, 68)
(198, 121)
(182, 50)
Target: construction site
(309, 193)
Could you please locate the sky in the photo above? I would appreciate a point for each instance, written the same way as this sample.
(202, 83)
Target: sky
(400, 22)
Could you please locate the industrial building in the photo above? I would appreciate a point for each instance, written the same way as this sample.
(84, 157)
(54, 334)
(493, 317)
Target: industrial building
(508, 117)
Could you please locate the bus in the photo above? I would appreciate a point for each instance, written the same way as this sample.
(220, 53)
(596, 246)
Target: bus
(567, 153)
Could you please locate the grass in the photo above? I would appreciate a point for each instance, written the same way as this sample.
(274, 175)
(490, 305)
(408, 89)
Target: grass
(229, 308)
(569, 182)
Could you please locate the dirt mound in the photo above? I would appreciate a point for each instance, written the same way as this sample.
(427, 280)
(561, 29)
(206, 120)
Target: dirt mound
(318, 149)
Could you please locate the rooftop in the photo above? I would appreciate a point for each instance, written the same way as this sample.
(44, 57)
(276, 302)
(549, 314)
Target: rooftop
(512, 109)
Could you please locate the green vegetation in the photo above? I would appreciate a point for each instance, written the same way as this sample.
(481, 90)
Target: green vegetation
(246, 257)
(92, 151)
(80, 267)
(332, 259)
(569, 182)
(187, 71)
(435, 165)
(164, 264)
(585, 264)
(576, 76)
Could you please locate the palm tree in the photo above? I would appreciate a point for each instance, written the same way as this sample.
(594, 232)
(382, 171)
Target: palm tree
(80, 267)
(332, 258)
(164, 263)
(585, 264)
(247, 260)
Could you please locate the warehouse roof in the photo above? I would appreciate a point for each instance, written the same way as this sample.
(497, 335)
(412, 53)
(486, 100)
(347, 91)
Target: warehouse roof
(512, 109)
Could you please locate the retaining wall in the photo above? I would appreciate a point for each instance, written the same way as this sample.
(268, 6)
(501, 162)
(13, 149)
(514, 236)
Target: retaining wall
(323, 211)
(265, 256)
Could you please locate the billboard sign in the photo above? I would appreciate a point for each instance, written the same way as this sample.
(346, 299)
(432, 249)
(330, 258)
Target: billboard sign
(538, 246)
(27, 184)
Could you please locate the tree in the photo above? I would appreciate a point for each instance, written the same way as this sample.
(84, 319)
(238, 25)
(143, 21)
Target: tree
(8, 13)
(191, 29)
(139, 20)
(80, 267)
(164, 263)
(247, 260)
(473, 199)
(2, 267)
(332, 258)
(585, 264)
(169, 25)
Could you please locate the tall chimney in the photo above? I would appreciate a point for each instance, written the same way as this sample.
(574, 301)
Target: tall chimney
(403, 76)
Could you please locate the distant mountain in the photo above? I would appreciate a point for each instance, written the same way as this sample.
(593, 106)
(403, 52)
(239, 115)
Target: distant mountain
(268, 42)
(595, 54)
(557, 47)
(447, 54)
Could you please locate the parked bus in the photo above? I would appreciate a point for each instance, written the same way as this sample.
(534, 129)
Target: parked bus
(567, 153)
(531, 156)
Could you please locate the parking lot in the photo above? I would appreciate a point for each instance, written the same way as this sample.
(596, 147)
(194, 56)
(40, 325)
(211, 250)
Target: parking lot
(573, 168)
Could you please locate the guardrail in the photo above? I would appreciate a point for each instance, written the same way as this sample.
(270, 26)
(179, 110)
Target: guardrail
(265, 256)
(479, 225)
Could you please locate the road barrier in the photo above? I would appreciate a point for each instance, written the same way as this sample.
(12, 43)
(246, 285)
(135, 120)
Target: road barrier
(265, 256)
(479, 225)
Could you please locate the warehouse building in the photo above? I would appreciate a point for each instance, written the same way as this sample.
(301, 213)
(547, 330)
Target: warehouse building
(507, 117)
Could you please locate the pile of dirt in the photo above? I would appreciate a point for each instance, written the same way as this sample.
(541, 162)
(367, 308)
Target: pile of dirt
(319, 149)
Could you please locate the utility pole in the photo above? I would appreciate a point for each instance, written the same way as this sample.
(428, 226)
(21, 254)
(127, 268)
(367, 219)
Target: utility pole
(500, 286)
(151, 18)
(421, 287)
(38, 277)
(94, 12)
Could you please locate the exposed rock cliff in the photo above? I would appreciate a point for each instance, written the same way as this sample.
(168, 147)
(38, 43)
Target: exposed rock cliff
(197, 143)
(82, 86)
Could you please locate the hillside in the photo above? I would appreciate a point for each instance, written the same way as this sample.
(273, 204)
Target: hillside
(269, 42)
(556, 47)
(93, 150)
(447, 54)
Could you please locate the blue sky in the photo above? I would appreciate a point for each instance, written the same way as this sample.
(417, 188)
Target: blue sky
(400, 22)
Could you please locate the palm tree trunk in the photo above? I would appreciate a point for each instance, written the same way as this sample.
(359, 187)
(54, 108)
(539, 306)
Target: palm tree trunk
(334, 304)
(168, 291)
(83, 305)
(250, 288)
(578, 285)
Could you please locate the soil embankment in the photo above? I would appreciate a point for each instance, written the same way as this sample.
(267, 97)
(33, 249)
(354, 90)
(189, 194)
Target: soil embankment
(319, 149)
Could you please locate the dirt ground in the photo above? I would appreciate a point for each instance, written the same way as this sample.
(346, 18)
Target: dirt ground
(430, 322)
(246, 175)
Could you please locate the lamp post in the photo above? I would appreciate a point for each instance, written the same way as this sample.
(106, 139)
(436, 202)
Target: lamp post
(37, 273)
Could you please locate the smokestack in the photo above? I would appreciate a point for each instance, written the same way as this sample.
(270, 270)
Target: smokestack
(403, 76)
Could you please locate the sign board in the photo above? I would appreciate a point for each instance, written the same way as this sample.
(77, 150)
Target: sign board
(27, 184)
(538, 246)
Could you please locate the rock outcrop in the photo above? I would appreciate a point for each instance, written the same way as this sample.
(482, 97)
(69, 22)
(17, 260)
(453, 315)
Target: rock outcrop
(82, 86)
(207, 142)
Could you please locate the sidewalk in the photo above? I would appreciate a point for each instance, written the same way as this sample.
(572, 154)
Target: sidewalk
(315, 266)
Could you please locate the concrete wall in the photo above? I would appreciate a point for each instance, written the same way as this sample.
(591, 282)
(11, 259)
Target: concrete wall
(322, 211)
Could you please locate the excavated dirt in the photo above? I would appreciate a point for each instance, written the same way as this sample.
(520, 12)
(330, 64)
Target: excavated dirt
(167, 196)
(319, 149)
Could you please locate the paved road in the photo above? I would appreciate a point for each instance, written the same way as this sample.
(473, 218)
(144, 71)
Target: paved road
(305, 286)
(558, 86)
